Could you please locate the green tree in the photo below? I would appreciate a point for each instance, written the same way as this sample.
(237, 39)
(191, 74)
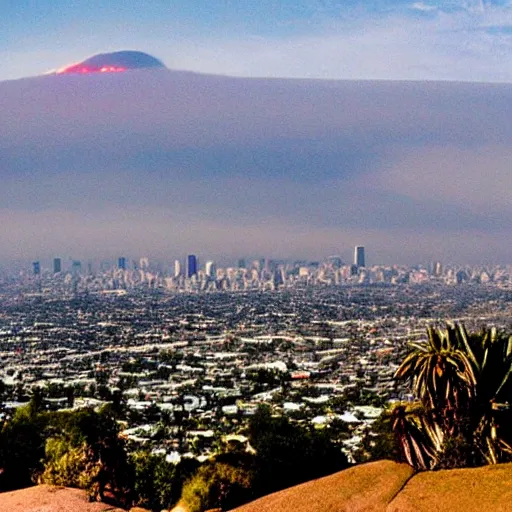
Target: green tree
(22, 443)
(289, 453)
(158, 483)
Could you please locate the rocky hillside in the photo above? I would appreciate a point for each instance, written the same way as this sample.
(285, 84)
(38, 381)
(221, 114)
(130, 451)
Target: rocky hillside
(386, 486)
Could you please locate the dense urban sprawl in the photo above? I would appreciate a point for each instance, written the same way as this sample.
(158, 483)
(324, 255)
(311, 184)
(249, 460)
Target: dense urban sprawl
(189, 359)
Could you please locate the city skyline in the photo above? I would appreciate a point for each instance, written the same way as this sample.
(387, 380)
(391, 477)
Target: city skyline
(261, 274)
(190, 265)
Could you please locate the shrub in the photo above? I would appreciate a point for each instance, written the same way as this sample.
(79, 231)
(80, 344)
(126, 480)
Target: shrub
(71, 466)
(84, 450)
(217, 485)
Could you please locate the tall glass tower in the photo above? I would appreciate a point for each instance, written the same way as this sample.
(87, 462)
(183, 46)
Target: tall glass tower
(57, 265)
(359, 256)
(177, 268)
(191, 265)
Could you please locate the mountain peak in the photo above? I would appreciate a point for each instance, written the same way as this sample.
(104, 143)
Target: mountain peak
(113, 62)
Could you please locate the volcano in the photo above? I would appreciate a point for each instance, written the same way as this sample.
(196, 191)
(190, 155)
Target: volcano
(113, 62)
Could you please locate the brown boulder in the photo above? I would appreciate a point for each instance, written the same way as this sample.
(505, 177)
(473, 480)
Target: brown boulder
(48, 498)
(386, 486)
(368, 487)
(467, 490)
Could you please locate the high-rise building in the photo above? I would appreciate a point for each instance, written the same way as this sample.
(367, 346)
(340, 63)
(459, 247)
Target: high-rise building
(177, 268)
(241, 263)
(359, 256)
(121, 263)
(191, 265)
(36, 267)
(210, 269)
(57, 265)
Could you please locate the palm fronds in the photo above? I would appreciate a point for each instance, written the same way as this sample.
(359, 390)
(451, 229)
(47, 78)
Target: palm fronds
(464, 383)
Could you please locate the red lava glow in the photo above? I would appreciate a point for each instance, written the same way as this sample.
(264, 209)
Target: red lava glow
(86, 70)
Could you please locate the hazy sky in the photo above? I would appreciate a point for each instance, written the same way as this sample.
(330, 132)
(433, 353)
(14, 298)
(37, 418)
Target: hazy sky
(388, 39)
(165, 163)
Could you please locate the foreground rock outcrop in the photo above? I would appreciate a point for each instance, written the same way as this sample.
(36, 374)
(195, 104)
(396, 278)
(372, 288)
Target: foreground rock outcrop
(48, 498)
(386, 486)
(369, 487)
(466, 490)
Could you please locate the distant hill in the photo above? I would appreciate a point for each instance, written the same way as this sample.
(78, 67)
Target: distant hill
(386, 486)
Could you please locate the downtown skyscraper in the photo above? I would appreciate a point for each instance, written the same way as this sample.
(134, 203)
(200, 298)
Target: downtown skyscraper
(359, 259)
(57, 265)
(191, 265)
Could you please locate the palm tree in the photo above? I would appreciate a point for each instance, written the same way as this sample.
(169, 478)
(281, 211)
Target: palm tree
(463, 383)
(441, 374)
(491, 418)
